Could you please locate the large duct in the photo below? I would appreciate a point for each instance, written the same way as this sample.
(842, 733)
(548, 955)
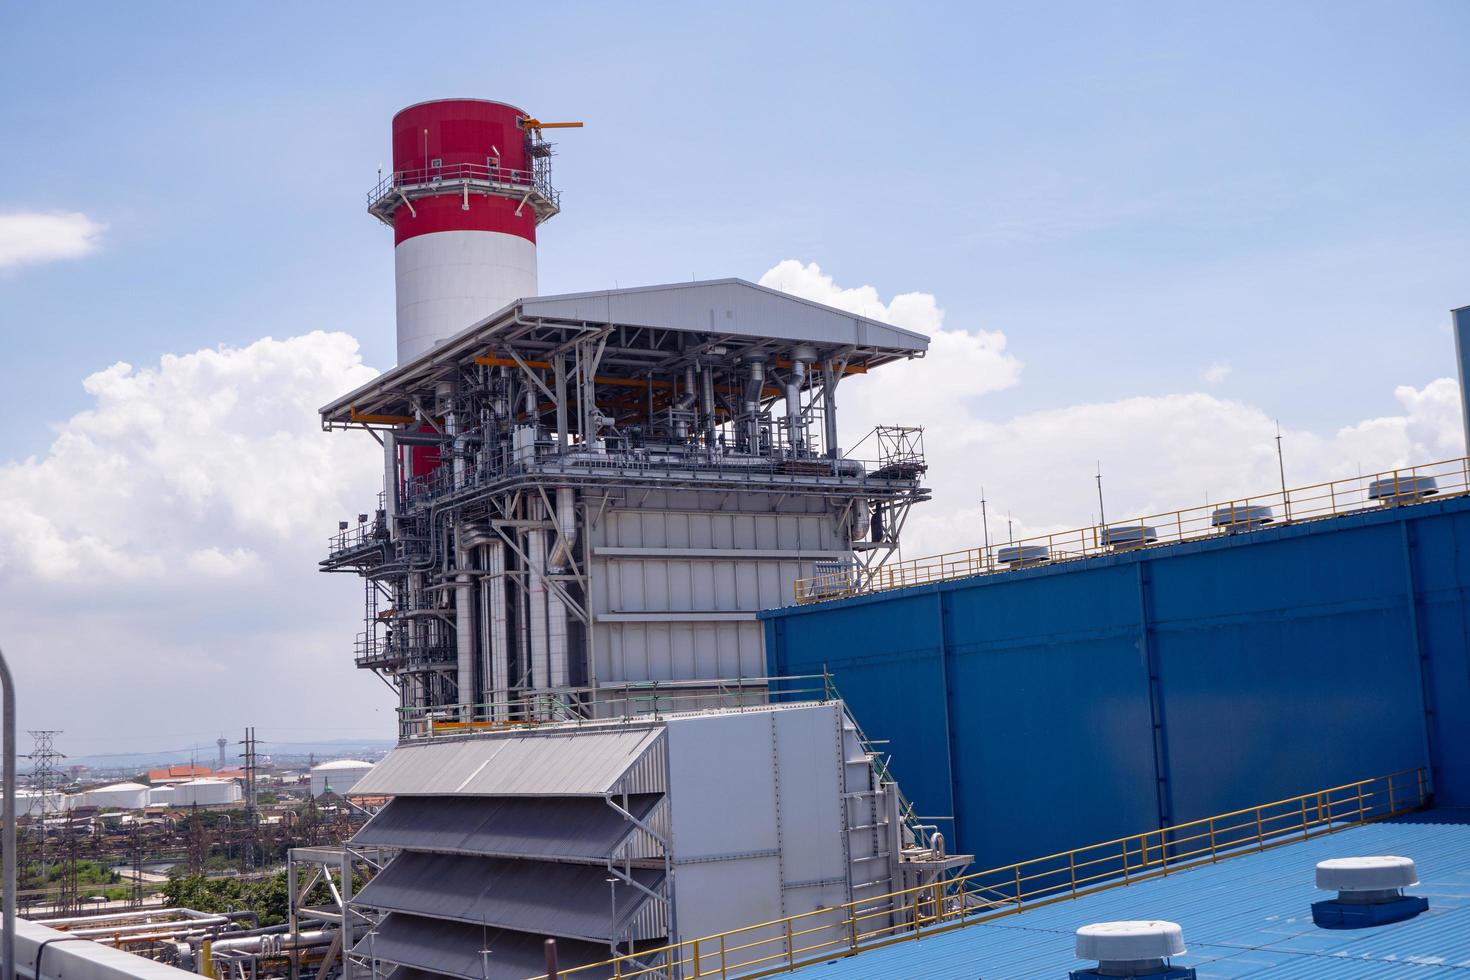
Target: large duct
(560, 559)
(558, 657)
(793, 395)
(390, 482)
(707, 403)
(829, 408)
(753, 390)
(685, 402)
(464, 627)
(496, 651)
(536, 590)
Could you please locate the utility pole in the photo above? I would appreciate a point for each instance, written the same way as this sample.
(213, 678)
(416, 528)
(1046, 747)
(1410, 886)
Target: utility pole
(1281, 466)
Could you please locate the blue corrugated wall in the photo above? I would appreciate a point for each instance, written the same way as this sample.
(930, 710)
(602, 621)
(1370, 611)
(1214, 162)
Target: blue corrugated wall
(1054, 707)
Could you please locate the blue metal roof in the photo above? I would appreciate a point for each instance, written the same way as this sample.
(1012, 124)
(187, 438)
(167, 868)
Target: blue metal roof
(1248, 916)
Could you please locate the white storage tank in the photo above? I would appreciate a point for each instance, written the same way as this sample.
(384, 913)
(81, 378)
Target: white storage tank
(338, 777)
(160, 796)
(121, 796)
(207, 792)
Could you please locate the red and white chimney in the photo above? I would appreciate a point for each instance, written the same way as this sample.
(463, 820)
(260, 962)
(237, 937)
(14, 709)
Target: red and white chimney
(470, 183)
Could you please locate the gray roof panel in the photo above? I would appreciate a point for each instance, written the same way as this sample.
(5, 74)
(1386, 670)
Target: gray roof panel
(580, 828)
(568, 763)
(454, 949)
(543, 898)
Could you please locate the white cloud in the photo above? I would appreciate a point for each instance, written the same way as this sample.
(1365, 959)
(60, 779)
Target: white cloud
(160, 556)
(1215, 373)
(1157, 453)
(28, 237)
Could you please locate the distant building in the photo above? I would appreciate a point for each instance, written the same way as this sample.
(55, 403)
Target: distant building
(178, 774)
(338, 777)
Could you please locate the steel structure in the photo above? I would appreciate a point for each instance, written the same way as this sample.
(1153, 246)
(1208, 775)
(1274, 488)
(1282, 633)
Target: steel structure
(596, 490)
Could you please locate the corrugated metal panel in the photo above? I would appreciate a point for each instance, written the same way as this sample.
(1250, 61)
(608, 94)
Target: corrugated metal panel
(546, 898)
(581, 828)
(1245, 917)
(576, 762)
(455, 949)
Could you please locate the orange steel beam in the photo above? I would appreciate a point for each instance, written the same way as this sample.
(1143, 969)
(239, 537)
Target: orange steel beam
(353, 415)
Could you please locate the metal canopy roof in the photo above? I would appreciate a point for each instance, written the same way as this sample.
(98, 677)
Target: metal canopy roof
(652, 330)
(1249, 916)
(583, 828)
(542, 898)
(455, 949)
(568, 763)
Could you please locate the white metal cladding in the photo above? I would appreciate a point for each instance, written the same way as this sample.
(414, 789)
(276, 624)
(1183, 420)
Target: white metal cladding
(449, 280)
(63, 957)
(730, 306)
(677, 578)
(563, 762)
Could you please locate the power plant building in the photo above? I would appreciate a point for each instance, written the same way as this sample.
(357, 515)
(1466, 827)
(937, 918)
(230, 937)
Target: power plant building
(587, 492)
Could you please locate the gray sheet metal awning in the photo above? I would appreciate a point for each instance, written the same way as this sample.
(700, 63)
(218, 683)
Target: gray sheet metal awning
(454, 949)
(572, 763)
(574, 829)
(544, 898)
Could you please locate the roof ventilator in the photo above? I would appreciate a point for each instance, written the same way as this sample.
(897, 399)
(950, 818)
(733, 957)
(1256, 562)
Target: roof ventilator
(1370, 892)
(1402, 489)
(1126, 537)
(1131, 949)
(1236, 518)
(1023, 555)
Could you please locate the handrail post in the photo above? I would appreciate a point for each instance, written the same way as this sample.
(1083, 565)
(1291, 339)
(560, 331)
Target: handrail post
(1260, 832)
(1214, 857)
(1392, 808)
(1362, 817)
(1124, 842)
(697, 971)
(1420, 774)
(790, 946)
(1304, 818)
(724, 965)
(1072, 868)
(1018, 888)
(852, 926)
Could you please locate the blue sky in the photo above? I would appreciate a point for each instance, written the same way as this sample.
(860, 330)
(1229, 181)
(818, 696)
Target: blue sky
(1131, 194)
(1129, 191)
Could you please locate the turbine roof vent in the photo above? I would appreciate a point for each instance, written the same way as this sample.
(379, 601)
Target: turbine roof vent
(1234, 518)
(1402, 489)
(1125, 537)
(1022, 555)
(1131, 949)
(1370, 892)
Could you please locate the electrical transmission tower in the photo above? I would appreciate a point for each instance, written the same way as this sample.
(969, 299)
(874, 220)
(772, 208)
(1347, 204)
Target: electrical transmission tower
(47, 778)
(248, 853)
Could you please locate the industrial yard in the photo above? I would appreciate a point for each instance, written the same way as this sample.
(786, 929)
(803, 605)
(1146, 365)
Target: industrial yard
(606, 618)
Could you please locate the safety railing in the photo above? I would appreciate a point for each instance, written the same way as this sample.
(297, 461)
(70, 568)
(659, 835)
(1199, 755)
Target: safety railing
(427, 177)
(1354, 495)
(634, 701)
(782, 945)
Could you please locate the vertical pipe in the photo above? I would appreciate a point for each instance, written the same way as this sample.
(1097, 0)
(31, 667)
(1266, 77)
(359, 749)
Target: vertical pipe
(1462, 359)
(829, 408)
(464, 627)
(753, 406)
(498, 648)
(7, 942)
(560, 366)
(536, 588)
(793, 405)
(390, 482)
(707, 403)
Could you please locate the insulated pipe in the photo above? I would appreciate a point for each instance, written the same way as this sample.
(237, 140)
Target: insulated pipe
(464, 628)
(707, 403)
(536, 592)
(793, 403)
(390, 481)
(557, 656)
(685, 401)
(753, 404)
(829, 408)
(494, 653)
(566, 524)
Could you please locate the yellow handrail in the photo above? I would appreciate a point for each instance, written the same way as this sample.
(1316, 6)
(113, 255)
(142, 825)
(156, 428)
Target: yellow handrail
(783, 945)
(1389, 488)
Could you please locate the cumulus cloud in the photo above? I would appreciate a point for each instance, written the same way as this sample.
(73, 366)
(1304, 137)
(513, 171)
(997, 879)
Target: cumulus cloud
(1157, 453)
(159, 558)
(28, 237)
